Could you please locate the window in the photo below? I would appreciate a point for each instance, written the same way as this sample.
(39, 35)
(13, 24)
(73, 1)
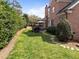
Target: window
(53, 9)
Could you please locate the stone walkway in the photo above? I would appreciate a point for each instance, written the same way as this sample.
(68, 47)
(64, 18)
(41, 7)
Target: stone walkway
(4, 53)
(70, 45)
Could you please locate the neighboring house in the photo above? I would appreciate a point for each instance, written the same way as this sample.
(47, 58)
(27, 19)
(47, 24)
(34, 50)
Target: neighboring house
(68, 9)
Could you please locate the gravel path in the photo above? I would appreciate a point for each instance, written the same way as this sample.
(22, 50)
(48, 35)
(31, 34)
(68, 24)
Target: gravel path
(4, 53)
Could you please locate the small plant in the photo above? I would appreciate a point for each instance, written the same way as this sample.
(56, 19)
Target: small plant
(52, 30)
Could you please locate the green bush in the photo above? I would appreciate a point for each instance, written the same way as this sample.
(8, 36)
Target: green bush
(64, 32)
(10, 22)
(52, 30)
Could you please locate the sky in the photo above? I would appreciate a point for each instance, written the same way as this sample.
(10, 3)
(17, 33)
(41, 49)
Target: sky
(33, 7)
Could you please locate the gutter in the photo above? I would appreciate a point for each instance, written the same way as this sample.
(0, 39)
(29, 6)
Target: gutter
(63, 8)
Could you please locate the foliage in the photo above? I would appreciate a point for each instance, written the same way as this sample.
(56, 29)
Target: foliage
(25, 16)
(52, 30)
(64, 31)
(33, 19)
(10, 22)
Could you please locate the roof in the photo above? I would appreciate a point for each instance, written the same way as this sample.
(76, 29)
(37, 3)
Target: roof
(73, 4)
(69, 6)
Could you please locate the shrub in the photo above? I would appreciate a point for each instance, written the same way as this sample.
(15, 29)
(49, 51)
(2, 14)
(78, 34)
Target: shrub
(64, 32)
(52, 30)
(10, 23)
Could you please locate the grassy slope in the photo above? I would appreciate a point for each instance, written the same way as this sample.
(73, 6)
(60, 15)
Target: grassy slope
(35, 46)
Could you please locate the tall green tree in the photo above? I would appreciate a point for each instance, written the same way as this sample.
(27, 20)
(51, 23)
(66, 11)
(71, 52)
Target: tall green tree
(26, 18)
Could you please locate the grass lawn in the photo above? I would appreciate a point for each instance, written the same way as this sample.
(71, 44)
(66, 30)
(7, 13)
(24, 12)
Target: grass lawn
(39, 46)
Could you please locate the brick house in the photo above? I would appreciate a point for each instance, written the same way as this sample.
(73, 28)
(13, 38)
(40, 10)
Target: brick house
(68, 9)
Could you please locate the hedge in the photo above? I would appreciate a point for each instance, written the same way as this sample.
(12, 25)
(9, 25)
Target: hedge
(10, 23)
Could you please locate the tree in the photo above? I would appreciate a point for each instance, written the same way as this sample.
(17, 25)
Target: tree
(15, 4)
(25, 16)
(33, 18)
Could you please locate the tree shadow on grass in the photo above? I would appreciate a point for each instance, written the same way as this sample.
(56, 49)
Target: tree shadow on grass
(45, 37)
(31, 33)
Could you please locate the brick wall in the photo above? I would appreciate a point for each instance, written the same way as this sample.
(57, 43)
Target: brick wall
(74, 20)
(57, 6)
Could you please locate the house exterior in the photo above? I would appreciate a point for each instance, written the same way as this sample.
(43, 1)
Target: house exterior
(68, 9)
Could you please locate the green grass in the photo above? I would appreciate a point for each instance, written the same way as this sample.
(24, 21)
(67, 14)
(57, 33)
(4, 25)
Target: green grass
(39, 46)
